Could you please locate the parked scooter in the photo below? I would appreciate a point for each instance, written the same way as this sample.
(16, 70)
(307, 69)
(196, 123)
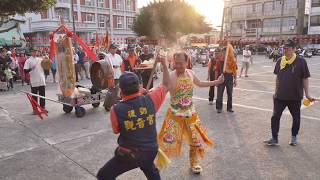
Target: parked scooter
(306, 54)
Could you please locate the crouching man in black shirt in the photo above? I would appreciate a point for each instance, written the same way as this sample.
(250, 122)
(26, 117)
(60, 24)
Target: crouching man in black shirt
(292, 78)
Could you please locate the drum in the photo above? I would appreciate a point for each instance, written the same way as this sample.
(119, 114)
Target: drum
(101, 73)
(46, 64)
(65, 67)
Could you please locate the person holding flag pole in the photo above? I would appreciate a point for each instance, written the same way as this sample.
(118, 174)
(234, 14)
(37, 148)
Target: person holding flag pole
(229, 69)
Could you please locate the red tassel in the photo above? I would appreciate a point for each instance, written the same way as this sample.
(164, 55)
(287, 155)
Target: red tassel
(52, 47)
(85, 48)
(36, 107)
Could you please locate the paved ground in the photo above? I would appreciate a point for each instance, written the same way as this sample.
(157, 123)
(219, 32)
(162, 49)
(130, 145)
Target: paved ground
(65, 147)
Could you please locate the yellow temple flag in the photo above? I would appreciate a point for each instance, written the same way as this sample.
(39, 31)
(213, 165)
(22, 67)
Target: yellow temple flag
(230, 63)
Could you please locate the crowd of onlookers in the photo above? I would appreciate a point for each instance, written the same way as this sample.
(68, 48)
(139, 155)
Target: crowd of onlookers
(11, 68)
(12, 62)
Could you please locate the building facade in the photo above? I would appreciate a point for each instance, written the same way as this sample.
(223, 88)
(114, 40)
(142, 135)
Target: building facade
(90, 17)
(263, 20)
(314, 17)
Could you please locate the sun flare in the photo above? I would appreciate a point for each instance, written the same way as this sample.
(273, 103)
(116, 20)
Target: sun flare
(210, 9)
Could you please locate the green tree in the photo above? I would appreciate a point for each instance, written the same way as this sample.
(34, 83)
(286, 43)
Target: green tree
(169, 18)
(12, 7)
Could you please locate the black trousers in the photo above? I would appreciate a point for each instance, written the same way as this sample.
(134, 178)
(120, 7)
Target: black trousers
(76, 69)
(228, 84)
(116, 167)
(211, 90)
(112, 95)
(278, 108)
(41, 90)
(10, 83)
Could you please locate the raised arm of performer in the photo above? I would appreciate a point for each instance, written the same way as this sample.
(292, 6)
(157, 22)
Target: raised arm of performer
(200, 83)
(166, 74)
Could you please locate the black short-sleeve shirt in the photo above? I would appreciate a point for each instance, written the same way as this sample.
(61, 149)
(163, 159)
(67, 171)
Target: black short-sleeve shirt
(289, 83)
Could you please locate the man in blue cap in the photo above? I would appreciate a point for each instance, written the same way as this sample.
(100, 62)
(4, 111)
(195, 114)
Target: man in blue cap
(292, 79)
(135, 119)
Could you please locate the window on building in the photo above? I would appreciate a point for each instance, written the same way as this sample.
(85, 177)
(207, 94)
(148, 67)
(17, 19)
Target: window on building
(271, 25)
(75, 16)
(315, 3)
(315, 20)
(130, 22)
(246, 10)
(120, 22)
(101, 3)
(289, 24)
(255, 9)
(62, 13)
(237, 28)
(238, 11)
(89, 17)
(119, 4)
(128, 4)
(102, 21)
(290, 6)
(89, 2)
(272, 8)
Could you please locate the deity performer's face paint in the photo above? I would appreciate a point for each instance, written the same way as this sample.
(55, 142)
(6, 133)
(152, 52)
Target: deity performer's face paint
(180, 63)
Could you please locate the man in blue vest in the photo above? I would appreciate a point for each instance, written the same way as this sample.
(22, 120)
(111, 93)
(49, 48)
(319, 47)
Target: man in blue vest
(135, 119)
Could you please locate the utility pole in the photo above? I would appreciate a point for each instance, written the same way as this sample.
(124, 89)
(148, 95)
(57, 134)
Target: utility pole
(281, 20)
(73, 24)
(222, 24)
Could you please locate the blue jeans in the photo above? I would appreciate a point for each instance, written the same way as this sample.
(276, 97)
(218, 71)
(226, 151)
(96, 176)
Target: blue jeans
(115, 167)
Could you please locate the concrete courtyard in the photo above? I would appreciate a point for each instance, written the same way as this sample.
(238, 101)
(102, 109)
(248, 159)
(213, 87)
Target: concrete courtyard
(64, 147)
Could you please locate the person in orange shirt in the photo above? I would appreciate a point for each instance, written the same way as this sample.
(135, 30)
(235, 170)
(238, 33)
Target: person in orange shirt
(130, 62)
(230, 81)
(134, 119)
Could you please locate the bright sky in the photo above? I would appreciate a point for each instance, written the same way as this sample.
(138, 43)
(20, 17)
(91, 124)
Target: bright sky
(211, 9)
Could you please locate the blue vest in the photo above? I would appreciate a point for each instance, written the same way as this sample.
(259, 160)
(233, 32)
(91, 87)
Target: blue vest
(137, 123)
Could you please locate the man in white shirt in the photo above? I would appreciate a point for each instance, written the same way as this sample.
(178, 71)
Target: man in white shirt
(116, 62)
(37, 78)
(75, 63)
(245, 61)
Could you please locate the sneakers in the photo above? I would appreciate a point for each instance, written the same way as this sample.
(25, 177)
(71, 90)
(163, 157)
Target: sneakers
(274, 142)
(219, 111)
(271, 142)
(210, 102)
(293, 141)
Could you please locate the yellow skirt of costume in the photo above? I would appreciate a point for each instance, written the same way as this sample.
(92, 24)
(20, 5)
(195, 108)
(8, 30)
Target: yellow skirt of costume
(182, 122)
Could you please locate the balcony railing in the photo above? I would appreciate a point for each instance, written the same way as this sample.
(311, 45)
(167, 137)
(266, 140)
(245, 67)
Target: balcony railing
(49, 25)
(63, 4)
